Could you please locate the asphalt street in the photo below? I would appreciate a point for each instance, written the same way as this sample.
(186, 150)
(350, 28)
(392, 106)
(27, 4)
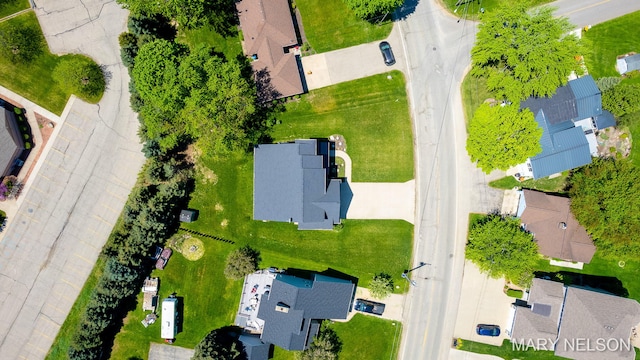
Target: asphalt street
(437, 50)
(79, 188)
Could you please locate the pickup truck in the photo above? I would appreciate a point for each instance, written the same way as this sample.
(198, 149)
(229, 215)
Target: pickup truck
(370, 307)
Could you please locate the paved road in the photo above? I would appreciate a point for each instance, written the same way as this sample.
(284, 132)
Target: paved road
(78, 191)
(437, 47)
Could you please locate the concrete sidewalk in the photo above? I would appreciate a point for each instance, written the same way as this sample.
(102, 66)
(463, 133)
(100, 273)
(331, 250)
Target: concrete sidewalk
(351, 63)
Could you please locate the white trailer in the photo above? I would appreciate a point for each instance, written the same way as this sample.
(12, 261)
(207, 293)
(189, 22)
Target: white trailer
(169, 314)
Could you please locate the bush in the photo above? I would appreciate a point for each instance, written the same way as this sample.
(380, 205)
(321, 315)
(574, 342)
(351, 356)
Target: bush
(21, 43)
(622, 99)
(381, 286)
(81, 76)
(608, 83)
(242, 262)
(514, 293)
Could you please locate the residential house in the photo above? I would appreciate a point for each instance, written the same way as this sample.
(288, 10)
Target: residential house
(569, 120)
(11, 143)
(627, 63)
(270, 40)
(555, 229)
(287, 310)
(291, 183)
(576, 323)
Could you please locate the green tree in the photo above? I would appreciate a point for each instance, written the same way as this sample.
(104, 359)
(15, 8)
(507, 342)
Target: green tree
(220, 344)
(242, 262)
(605, 198)
(325, 346)
(500, 247)
(622, 99)
(524, 52)
(79, 75)
(502, 136)
(21, 43)
(381, 286)
(367, 9)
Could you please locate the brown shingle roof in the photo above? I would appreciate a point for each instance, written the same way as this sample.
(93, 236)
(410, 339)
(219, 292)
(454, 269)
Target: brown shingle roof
(267, 28)
(592, 317)
(556, 230)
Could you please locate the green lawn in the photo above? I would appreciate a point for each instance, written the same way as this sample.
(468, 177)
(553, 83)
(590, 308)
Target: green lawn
(33, 80)
(373, 116)
(367, 337)
(507, 352)
(474, 93)
(471, 8)
(331, 25)
(607, 41)
(556, 184)
(8, 7)
(229, 46)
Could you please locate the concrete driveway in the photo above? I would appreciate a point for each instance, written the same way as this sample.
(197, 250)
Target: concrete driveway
(482, 301)
(351, 63)
(382, 201)
(169, 352)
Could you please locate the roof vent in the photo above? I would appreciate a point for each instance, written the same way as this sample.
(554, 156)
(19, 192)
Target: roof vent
(282, 307)
(562, 225)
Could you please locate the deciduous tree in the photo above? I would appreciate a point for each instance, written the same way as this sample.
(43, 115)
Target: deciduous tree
(242, 262)
(381, 286)
(502, 136)
(500, 247)
(325, 346)
(367, 9)
(622, 99)
(220, 344)
(21, 43)
(524, 52)
(80, 75)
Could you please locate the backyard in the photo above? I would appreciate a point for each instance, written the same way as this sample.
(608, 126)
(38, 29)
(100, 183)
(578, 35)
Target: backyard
(548, 184)
(331, 25)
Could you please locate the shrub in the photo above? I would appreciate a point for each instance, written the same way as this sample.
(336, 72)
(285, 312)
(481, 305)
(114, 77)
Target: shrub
(381, 286)
(81, 76)
(21, 43)
(242, 262)
(608, 83)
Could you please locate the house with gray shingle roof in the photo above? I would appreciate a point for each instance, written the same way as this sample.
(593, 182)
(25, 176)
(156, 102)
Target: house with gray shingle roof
(11, 143)
(568, 119)
(291, 183)
(555, 229)
(578, 323)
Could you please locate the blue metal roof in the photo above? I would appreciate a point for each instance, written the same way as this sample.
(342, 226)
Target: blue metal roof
(569, 150)
(587, 97)
(605, 120)
(633, 62)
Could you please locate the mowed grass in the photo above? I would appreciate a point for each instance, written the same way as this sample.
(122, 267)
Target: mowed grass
(229, 46)
(507, 352)
(368, 337)
(474, 93)
(471, 9)
(331, 25)
(8, 7)
(607, 41)
(33, 80)
(372, 114)
(556, 184)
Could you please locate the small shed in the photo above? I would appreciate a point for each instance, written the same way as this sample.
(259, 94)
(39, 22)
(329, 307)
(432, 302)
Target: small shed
(628, 62)
(188, 215)
(150, 291)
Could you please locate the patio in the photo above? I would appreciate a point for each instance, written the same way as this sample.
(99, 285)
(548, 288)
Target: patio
(255, 285)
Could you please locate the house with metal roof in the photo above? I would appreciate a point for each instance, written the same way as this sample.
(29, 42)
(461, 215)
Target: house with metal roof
(270, 40)
(575, 323)
(569, 120)
(555, 229)
(627, 63)
(291, 183)
(287, 310)
(11, 143)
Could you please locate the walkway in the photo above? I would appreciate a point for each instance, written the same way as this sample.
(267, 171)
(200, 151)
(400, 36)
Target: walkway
(351, 63)
(77, 189)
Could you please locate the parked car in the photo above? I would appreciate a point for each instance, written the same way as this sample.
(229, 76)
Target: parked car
(367, 306)
(488, 330)
(164, 257)
(387, 53)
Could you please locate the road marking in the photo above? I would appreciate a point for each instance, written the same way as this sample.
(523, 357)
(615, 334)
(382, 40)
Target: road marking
(587, 7)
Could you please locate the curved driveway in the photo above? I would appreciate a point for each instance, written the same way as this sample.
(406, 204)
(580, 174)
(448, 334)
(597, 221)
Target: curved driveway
(77, 190)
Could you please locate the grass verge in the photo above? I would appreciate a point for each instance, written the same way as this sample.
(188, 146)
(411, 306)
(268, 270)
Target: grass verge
(474, 93)
(506, 351)
(331, 25)
(8, 7)
(372, 114)
(556, 184)
(471, 9)
(33, 80)
(607, 41)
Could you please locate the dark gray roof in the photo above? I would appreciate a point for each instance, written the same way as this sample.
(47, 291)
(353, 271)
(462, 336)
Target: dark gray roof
(558, 108)
(11, 144)
(291, 184)
(254, 347)
(187, 215)
(293, 303)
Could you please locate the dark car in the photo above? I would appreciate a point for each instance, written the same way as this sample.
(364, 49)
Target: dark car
(370, 307)
(488, 330)
(387, 53)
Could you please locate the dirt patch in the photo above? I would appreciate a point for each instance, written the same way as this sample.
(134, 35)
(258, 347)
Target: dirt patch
(218, 207)
(614, 142)
(224, 223)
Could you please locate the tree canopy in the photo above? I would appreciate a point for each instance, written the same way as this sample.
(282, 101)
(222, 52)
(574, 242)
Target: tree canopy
(367, 9)
(605, 198)
(242, 262)
(502, 136)
(79, 75)
(500, 247)
(622, 99)
(524, 52)
(325, 346)
(381, 286)
(21, 43)
(220, 344)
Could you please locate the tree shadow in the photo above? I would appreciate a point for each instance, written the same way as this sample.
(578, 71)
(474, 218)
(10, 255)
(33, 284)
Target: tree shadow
(604, 284)
(407, 8)
(266, 91)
